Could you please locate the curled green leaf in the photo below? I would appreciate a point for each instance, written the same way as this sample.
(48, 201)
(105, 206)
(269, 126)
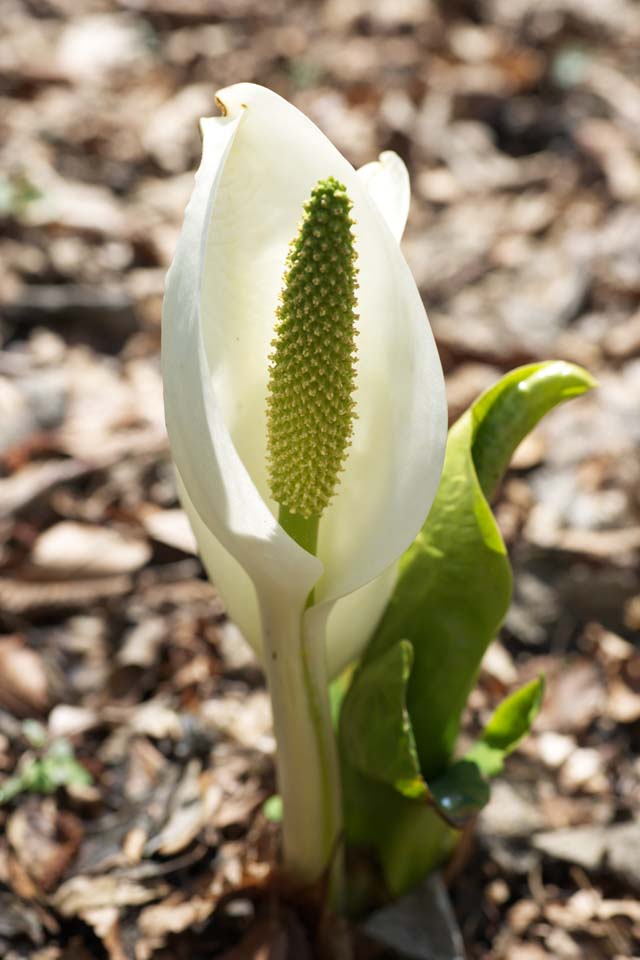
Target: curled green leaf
(454, 585)
(401, 715)
(378, 738)
(511, 721)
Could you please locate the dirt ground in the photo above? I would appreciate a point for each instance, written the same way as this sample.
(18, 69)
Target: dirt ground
(135, 741)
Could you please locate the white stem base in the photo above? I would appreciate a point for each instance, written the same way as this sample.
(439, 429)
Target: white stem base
(306, 758)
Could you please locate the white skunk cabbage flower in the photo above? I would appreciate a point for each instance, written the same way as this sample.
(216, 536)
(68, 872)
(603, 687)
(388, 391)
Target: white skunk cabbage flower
(306, 612)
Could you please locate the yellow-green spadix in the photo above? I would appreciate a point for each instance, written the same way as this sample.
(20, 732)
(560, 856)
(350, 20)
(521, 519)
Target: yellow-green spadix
(312, 373)
(261, 161)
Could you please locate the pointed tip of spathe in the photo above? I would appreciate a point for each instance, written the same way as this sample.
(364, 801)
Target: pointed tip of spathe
(241, 96)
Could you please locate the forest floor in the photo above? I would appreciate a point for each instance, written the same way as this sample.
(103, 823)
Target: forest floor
(121, 680)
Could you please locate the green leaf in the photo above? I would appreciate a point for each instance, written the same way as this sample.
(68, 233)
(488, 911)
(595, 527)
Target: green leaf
(511, 721)
(377, 734)
(35, 733)
(413, 840)
(409, 837)
(57, 768)
(16, 193)
(400, 716)
(454, 583)
(461, 791)
(387, 804)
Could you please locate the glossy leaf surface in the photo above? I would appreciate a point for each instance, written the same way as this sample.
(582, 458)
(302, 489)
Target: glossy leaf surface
(401, 716)
(454, 585)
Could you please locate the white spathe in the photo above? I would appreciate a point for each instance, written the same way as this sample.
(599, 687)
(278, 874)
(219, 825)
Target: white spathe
(261, 160)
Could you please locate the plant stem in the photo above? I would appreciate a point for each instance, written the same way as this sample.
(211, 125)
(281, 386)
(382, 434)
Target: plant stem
(306, 756)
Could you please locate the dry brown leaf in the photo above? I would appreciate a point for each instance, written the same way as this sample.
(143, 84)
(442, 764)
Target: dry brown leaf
(613, 151)
(24, 597)
(173, 915)
(576, 911)
(24, 679)
(623, 341)
(623, 703)
(146, 768)
(141, 644)
(68, 721)
(613, 649)
(157, 720)
(90, 47)
(554, 748)
(18, 918)
(133, 845)
(25, 485)
(16, 417)
(78, 549)
(248, 720)
(171, 527)
(77, 206)
(522, 914)
(498, 664)
(619, 908)
(81, 894)
(528, 951)
(194, 805)
(575, 696)
(584, 770)
(105, 923)
(44, 840)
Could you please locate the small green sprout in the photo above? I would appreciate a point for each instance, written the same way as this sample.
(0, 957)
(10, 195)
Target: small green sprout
(57, 767)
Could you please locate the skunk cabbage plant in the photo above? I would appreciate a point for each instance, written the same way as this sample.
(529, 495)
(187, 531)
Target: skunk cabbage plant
(306, 415)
